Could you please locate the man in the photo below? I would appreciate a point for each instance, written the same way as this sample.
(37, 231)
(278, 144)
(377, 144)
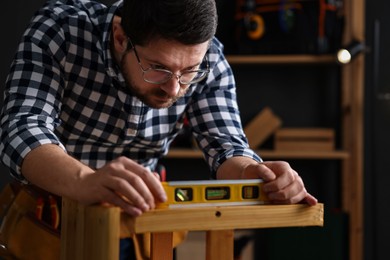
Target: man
(95, 95)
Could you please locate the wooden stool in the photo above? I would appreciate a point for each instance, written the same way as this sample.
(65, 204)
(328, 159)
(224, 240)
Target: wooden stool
(92, 232)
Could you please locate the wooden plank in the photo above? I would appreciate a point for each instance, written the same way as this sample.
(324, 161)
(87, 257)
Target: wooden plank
(72, 230)
(353, 129)
(309, 139)
(161, 246)
(220, 244)
(220, 218)
(303, 145)
(86, 228)
(261, 127)
(101, 231)
(309, 132)
(281, 59)
(270, 154)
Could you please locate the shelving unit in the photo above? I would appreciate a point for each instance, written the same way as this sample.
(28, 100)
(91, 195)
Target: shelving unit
(352, 87)
(268, 154)
(350, 153)
(281, 59)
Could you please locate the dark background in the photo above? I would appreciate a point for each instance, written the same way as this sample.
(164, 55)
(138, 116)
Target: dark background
(302, 96)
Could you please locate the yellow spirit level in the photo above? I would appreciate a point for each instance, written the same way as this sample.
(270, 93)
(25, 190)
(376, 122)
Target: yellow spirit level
(213, 193)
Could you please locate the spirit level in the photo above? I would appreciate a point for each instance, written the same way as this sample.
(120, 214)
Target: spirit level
(213, 193)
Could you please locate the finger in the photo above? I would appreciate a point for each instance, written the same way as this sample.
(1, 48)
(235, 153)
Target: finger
(153, 184)
(142, 187)
(117, 178)
(131, 192)
(289, 196)
(139, 178)
(157, 176)
(281, 198)
(283, 180)
(256, 171)
(278, 167)
(288, 187)
(112, 198)
(302, 197)
(293, 193)
(310, 199)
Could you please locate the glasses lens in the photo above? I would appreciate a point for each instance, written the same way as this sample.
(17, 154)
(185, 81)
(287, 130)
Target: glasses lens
(191, 77)
(157, 76)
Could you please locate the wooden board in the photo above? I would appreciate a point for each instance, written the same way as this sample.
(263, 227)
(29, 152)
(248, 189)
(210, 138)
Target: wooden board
(89, 232)
(304, 139)
(261, 127)
(222, 218)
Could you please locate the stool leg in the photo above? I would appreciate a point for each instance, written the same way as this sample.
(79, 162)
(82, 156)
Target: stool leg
(161, 246)
(219, 244)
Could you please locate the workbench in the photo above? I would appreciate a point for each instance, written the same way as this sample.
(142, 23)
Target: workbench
(93, 232)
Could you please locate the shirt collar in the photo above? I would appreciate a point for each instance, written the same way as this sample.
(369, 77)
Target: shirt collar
(112, 67)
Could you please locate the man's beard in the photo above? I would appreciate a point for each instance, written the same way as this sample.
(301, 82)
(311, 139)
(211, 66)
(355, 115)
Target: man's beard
(148, 96)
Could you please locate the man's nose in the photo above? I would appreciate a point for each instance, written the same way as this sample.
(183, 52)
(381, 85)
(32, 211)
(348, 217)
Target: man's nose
(172, 86)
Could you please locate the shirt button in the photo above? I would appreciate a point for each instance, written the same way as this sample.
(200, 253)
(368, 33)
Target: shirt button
(131, 132)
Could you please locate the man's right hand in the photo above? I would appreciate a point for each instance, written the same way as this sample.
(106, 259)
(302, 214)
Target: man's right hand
(124, 183)
(121, 182)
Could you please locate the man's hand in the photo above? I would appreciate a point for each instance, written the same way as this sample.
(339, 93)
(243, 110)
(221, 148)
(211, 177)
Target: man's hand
(122, 183)
(283, 185)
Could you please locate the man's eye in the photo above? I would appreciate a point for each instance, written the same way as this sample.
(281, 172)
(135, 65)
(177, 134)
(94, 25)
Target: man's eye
(193, 68)
(156, 66)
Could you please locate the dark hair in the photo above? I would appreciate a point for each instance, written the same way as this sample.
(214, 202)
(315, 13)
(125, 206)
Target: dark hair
(186, 21)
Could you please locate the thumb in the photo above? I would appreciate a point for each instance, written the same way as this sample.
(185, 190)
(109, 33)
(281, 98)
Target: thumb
(260, 170)
(310, 199)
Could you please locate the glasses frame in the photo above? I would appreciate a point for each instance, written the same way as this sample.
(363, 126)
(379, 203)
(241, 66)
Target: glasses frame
(145, 71)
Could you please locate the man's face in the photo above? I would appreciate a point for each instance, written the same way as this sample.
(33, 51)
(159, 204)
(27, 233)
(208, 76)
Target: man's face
(161, 54)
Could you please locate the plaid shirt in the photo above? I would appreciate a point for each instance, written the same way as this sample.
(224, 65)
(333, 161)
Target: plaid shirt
(64, 88)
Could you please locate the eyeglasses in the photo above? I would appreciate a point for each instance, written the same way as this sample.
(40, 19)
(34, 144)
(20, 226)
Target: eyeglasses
(160, 76)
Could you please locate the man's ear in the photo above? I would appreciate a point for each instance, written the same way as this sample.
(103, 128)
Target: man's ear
(119, 36)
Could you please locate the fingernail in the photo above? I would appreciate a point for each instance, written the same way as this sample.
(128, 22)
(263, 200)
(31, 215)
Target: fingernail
(145, 207)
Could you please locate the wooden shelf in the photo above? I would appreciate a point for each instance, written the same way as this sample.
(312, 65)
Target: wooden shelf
(282, 59)
(267, 154)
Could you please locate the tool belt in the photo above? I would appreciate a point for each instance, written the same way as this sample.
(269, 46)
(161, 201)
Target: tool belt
(25, 232)
(30, 226)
